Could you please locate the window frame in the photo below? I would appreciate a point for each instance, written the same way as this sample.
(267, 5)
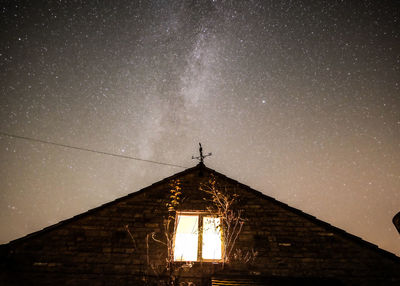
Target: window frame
(200, 215)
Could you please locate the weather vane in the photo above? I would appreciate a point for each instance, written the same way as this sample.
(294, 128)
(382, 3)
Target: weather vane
(201, 157)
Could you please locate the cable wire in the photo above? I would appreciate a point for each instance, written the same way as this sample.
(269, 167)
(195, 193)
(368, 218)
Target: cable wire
(89, 150)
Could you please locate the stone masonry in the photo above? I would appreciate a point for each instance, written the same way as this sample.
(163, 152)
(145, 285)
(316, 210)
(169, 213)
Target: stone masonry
(95, 248)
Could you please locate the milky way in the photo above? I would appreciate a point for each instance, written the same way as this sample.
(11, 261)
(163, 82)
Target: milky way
(300, 101)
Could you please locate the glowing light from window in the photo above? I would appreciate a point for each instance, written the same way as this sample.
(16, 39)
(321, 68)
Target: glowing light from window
(211, 248)
(186, 239)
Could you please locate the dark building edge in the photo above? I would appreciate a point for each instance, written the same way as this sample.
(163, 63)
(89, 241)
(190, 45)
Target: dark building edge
(202, 167)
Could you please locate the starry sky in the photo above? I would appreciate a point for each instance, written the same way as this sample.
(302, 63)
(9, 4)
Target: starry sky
(299, 100)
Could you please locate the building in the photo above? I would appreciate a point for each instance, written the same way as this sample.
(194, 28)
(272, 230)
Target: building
(121, 243)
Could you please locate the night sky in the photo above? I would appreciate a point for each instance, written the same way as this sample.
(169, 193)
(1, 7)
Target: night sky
(299, 100)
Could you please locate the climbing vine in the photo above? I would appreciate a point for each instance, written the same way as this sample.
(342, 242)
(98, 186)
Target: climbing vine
(171, 269)
(225, 205)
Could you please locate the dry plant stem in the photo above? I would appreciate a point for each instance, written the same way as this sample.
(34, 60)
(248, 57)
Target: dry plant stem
(147, 249)
(231, 219)
(170, 267)
(131, 236)
(247, 257)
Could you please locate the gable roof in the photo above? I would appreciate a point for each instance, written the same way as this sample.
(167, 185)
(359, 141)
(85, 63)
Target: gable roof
(202, 168)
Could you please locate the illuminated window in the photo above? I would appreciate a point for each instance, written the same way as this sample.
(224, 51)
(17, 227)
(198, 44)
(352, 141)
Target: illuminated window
(186, 238)
(194, 230)
(211, 246)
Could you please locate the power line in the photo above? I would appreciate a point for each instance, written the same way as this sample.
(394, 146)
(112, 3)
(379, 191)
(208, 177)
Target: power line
(89, 150)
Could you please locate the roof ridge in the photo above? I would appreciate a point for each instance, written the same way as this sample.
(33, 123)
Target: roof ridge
(203, 167)
(312, 218)
(110, 203)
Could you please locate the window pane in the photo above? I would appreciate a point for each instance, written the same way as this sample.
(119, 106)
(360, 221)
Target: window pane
(186, 238)
(212, 248)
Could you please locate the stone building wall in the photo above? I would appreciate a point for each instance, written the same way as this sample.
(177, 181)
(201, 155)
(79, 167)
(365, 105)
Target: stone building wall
(95, 248)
